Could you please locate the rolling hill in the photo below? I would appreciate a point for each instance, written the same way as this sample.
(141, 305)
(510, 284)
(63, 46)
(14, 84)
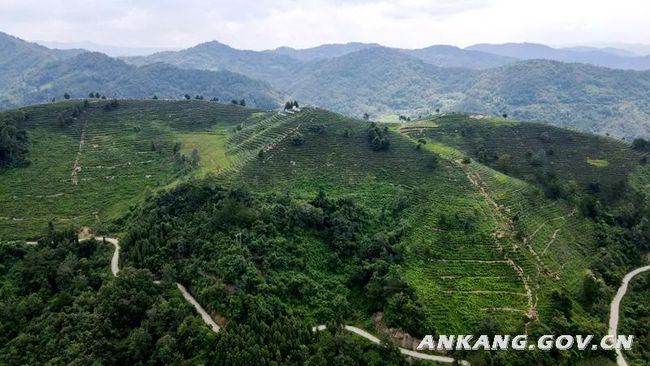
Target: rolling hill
(89, 72)
(324, 51)
(353, 78)
(450, 56)
(454, 223)
(386, 82)
(438, 55)
(593, 56)
(32, 74)
(218, 56)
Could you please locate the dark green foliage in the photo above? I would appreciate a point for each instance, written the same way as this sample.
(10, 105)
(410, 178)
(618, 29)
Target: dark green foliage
(113, 104)
(61, 303)
(279, 256)
(13, 139)
(378, 138)
(66, 96)
(297, 139)
(432, 162)
(641, 144)
(291, 104)
(635, 316)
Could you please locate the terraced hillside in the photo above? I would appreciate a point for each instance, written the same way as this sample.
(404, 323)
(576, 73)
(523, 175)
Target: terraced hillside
(462, 251)
(547, 239)
(88, 169)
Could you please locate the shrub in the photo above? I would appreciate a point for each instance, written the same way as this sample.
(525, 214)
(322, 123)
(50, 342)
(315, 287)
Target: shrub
(297, 139)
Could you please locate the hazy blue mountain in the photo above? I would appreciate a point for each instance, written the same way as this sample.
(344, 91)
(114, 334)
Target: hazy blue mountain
(597, 57)
(439, 55)
(451, 56)
(17, 56)
(375, 80)
(611, 50)
(31, 73)
(218, 56)
(639, 49)
(382, 81)
(322, 52)
(113, 51)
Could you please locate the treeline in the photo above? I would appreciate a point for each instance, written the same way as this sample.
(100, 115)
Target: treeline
(13, 139)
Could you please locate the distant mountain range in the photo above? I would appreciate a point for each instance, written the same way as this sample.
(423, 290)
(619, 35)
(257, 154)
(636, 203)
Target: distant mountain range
(357, 78)
(110, 50)
(608, 57)
(521, 80)
(30, 73)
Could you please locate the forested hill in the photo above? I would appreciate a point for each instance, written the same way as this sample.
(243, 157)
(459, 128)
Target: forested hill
(386, 82)
(30, 74)
(352, 79)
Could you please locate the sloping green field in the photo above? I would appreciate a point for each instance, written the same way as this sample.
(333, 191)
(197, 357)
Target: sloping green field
(120, 155)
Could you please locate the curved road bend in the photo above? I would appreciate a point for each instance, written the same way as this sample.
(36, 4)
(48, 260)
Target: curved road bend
(115, 269)
(404, 351)
(615, 309)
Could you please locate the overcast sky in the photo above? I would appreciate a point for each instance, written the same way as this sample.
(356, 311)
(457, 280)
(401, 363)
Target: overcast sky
(264, 24)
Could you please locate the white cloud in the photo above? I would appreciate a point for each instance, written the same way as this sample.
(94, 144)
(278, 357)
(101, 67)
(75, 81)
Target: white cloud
(270, 23)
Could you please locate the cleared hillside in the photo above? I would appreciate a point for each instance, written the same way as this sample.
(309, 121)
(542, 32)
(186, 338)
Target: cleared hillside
(89, 169)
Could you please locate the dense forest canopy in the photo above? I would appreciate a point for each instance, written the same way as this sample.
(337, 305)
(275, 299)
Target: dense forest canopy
(13, 139)
(60, 305)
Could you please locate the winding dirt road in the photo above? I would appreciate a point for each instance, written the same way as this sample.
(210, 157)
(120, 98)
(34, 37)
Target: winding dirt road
(407, 352)
(207, 319)
(615, 309)
(115, 269)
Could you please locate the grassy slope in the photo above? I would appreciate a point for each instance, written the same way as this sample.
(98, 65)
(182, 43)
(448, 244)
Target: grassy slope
(118, 166)
(555, 242)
